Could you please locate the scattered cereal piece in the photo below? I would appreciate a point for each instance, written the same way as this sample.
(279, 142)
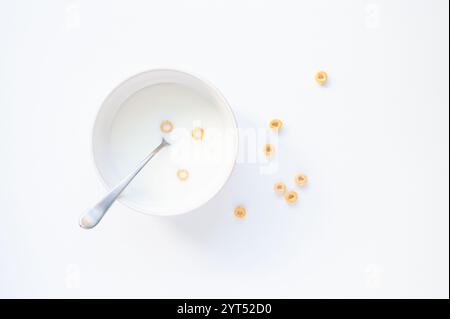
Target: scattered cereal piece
(182, 174)
(269, 149)
(197, 133)
(166, 126)
(275, 124)
(291, 197)
(301, 179)
(279, 188)
(240, 212)
(321, 77)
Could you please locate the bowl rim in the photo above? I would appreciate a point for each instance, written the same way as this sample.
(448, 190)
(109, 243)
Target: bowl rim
(135, 206)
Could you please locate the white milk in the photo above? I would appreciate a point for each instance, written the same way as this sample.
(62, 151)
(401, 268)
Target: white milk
(135, 132)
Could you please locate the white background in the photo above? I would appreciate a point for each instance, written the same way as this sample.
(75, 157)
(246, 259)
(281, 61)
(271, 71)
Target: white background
(373, 221)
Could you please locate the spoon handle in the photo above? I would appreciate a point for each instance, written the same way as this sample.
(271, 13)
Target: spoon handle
(92, 216)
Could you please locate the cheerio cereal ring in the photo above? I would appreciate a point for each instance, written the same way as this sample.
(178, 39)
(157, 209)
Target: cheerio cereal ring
(321, 77)
(269, 149)
(198, 133)
(279, 188)
(182, 174)
(166, 126)
(301, 179)
(291, 197)
(240, 212)
(275, 124)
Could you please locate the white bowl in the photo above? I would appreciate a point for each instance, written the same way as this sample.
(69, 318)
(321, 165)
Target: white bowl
(127, 128)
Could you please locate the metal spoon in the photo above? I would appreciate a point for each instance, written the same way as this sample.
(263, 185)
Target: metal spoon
(92, 216)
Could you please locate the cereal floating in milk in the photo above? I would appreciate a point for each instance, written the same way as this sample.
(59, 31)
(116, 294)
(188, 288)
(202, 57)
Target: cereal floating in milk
(166, 126)
(182, 174)
(197, 133)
